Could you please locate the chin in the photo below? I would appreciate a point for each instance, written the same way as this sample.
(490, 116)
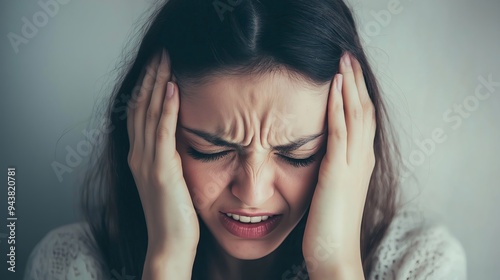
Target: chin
(250, 249)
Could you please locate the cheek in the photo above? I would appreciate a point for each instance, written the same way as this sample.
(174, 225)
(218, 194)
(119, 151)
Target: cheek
(205, 183)
(298, 187)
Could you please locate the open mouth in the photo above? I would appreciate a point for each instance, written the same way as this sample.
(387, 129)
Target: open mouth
(249, 227)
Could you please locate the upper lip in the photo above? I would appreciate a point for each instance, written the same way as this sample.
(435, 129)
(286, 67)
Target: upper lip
(249, 214)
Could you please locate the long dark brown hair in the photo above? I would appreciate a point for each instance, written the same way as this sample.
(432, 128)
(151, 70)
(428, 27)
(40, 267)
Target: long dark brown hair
(204, 38)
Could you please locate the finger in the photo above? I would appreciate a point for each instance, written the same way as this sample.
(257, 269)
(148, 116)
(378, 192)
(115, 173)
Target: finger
(353, 110)
(155, 107)
(371, 138)
(364, 98)
(130, 108)
(366, 104)
(336, 148)
(165, 134)
(141, 104)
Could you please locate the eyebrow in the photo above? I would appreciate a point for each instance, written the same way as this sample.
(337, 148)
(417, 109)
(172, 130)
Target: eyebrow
(217, 141)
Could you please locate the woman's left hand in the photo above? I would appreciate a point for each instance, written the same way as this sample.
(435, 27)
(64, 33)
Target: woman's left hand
(332, 234)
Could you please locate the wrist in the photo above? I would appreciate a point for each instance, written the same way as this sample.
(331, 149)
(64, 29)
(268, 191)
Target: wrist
(342, 269)
(165, 247)
(334, 260)
(169, 264)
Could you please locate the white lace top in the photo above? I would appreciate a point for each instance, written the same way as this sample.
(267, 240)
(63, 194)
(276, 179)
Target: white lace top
(412, 249)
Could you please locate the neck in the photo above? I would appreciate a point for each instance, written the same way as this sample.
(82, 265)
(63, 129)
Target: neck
(214, 263)
(221, 265)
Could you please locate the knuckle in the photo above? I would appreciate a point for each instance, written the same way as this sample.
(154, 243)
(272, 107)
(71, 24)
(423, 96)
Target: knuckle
(144, 91)
(150, 72)
(152, 115)
(168, 111)
(339, 134)
(164, 133)
(148, 85)
(163, 74)
(356, 113)
(136, 93)
(140, 95)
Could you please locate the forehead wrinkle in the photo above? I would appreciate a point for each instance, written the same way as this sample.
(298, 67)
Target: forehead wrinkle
(237, 122)
(247, 110)
(250, 100)
(265, 130)
(247, 127)
(272, 103)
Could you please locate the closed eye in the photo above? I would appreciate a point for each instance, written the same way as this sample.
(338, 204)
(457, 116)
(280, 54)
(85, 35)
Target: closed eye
(204, 157)
(298, 162)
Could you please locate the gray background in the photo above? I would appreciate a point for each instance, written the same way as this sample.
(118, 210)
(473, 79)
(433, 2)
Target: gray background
(428, 56)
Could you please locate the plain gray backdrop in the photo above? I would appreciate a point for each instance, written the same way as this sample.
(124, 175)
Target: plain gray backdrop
(430, 57)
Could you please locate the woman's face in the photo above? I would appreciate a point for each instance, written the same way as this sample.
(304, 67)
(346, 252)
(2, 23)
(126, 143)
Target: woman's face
(250, 121)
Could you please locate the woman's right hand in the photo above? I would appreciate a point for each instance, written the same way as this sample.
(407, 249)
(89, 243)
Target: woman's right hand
(171, 220)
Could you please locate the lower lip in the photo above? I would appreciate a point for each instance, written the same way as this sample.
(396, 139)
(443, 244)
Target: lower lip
(249, 230)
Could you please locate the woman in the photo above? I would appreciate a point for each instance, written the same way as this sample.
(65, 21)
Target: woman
(249, 140)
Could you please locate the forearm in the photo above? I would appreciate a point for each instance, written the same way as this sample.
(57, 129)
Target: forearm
(341, 269)
(343, 263)
(159, 266)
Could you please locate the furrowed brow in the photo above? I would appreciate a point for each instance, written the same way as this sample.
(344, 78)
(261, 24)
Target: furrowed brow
(294, 145)
(218, 141)
(212, 138)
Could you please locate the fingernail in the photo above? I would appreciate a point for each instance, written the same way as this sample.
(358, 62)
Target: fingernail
(347, 59)
(338, 82)
(170, 89)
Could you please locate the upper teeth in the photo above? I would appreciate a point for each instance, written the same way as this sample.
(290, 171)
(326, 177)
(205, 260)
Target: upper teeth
(246, 219)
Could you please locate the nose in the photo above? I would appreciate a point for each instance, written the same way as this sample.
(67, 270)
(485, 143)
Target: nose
(254, 182)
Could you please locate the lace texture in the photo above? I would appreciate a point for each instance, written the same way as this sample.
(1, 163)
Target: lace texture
(412, 249)
(416, 249)
(65, 253)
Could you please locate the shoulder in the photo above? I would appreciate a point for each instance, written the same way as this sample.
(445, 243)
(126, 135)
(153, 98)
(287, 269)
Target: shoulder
(66, 252)
(415, 247)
